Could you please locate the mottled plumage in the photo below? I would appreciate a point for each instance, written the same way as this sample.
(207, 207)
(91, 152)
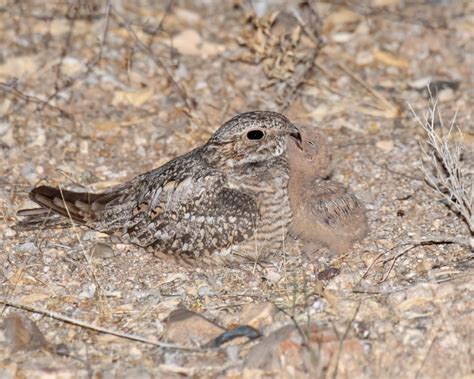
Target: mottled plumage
(324, 211)
(226, 198)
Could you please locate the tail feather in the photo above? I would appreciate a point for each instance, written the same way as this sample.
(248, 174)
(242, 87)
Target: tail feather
(32, 219)
(78, 206)
(59, 201)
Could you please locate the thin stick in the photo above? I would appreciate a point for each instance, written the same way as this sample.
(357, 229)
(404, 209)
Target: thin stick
(394, 259)
(90, 65)
(67, 43)
(28, 98)
(425, 356)
(298, 80)
(368, 88)
(435, 240)
(341, 340)
(155, 59)
(369, 268)
(86, 256)
(86, 325)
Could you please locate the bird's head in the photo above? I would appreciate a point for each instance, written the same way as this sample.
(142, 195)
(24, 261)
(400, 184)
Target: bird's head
(253, 137)
(311, 158)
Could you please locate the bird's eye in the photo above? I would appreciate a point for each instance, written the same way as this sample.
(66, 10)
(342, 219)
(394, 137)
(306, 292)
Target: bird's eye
(255, 134)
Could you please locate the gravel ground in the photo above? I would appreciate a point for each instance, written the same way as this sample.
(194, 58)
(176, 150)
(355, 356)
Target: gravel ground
(88, 109)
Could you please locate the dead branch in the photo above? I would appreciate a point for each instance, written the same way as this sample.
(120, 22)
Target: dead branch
(86, 325)
(146, 49)
(29, 98)
(90, 65)
(314, 34)
(343, 338)
(158, 27)
(435, 240)
(67, 43)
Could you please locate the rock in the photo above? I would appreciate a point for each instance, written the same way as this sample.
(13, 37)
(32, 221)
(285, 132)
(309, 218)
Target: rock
(4, 127)
(29, 171)
(284, 352)
(9, 232)
(258, 315)
(27, 247)
(22, 333)
(102, 250)
(385, 145)
(205, 290)
(189, 42)
(364, 58)
(135, 353)
(8, 370)
(88, 291)
(51, 369)
(272, 276)
(190, 328)
(445, 95)
(139, 372)
(328, 273)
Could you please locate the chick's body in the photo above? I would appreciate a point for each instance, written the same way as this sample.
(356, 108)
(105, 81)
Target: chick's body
(325, 212)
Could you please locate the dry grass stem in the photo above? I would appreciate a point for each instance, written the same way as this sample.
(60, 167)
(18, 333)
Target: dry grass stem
(444, 170)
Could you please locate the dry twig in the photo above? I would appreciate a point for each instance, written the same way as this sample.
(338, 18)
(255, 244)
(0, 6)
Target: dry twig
(445, 172)
(28, 98)
(86, 325)
(410, 245)
(307, 65)
(180, 91)
(90, 65)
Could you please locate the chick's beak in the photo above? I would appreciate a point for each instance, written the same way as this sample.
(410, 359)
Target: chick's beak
(296, 137)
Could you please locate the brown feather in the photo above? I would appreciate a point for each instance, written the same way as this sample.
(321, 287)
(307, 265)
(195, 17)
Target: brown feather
(65, 202)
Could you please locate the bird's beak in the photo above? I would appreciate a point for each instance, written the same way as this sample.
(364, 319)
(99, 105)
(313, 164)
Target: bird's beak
(296, 137)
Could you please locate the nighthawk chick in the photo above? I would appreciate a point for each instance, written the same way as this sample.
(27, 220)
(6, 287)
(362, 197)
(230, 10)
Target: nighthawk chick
(226, 198)
(313, 158)
(324, 211)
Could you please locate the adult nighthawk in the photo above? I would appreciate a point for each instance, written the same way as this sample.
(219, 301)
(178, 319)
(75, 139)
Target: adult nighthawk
(324, 211)
(227, 198)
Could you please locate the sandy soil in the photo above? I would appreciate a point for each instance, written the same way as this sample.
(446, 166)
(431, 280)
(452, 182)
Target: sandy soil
(89, 109)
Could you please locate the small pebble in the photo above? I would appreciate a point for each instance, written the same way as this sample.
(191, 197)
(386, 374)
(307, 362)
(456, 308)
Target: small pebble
(102, 250)
(88, 291)
(27, 247)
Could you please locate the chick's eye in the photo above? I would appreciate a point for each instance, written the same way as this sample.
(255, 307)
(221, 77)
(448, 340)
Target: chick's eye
(255, 134)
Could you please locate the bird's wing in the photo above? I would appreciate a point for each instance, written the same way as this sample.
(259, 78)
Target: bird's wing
(191, 214)
(334, 204)
(182, 206)
(109, 210)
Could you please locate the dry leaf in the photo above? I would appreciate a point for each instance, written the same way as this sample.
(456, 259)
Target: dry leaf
(189, 42)
(105, 125)
(33, 297)
(339, 19)
(385, 145)
(390, 59)
(135, 98)
(295, 35)
(384, 3)
(19, 67)
(20, 278)
(187, 16)
(55, 27)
